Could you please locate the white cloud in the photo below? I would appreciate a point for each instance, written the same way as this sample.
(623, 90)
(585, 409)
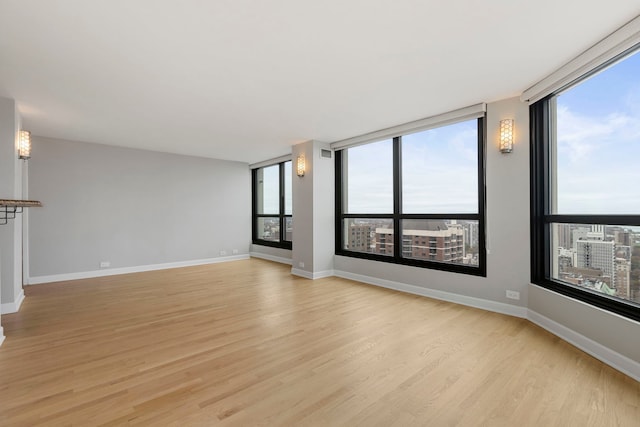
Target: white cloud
(440, 173)
(597, 162)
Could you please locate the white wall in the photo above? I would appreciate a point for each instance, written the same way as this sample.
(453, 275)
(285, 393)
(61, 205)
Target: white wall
(132, 208)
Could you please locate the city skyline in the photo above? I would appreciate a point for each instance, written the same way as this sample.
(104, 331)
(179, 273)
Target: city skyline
(603, 258)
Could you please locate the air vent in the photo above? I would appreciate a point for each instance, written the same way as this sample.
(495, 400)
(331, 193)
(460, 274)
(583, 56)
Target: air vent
(325, 153)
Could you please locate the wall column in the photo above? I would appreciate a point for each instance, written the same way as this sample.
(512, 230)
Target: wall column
(11, 169)
(313, 211)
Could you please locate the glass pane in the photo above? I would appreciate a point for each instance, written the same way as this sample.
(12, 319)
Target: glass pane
(288, 200)
(374, 236)
(440, 170)
(288, 230)
(448, 241)
(268, 191)
(598, 143)
(269, 229)
(602, 258)
(368, 178)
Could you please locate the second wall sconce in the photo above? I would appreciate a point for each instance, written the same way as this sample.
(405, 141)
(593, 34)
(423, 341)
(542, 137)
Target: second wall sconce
(24, 145)
(300, 166)
(506, 135)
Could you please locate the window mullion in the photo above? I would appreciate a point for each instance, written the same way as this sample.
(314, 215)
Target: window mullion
(254, 204)
(482, 245)
(339, 211)
(281, 189)
(397, 197)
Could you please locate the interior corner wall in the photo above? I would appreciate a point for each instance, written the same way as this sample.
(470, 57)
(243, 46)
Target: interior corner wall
(507, 217)
(612, 331)
(132, 208)
(10, 188)
(274, 254)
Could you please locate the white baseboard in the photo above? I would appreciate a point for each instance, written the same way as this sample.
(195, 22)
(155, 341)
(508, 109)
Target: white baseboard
(1, 335)
(498, 307)
(126, 270)
(605, 354)
(12, 307)
(268, 257)
(310, 275)
(323, 274)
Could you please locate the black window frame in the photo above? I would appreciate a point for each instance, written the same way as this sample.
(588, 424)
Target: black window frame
(542, 216)
(282, 216)
(397, 216)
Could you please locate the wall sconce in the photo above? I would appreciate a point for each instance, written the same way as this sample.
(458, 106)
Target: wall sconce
(24, 145)
(506, 135)
(300, 166)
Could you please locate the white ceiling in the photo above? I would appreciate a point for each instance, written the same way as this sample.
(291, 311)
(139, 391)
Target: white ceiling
(246, 79)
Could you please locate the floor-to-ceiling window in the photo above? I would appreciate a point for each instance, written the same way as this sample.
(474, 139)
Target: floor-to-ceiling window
(272, 205)
(586, 187)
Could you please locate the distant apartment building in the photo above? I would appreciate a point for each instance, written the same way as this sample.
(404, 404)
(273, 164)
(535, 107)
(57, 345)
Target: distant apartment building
(384, 241)
(427, 240)
(597, 254)
(360, 237)
(564, 235)
(578, 233)
(471, 234)
(623, 237)
(623, 278)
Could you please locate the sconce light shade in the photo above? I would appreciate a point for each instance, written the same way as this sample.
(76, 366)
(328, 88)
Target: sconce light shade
(506, 135)
(24, 145)
(300, 166)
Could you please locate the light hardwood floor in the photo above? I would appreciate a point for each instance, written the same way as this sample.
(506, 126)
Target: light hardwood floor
(246, 343)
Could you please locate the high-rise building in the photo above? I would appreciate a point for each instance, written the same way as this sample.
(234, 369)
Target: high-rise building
(384, 241)
(360, 237)
(623, 237)
(597, 254)
(428, 240)
(623, 278)
(578, 233)
(471, 236)
(564, 236)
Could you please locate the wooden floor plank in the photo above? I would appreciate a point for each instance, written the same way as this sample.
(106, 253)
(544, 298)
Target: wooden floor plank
(247, 343)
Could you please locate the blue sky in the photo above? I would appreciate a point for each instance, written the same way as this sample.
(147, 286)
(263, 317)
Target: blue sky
(598, 162)
(271, 188)
(439, 172)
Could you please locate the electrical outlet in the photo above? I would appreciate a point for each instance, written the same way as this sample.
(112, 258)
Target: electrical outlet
(223, 253)
(513, 294)
(235, 252)
(105, 264)
(301, 264)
